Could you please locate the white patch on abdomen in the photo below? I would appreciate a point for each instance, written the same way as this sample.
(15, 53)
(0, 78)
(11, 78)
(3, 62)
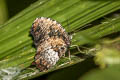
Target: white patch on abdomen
(51, 56)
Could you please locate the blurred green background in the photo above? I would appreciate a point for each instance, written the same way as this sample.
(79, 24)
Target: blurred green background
(9, 8)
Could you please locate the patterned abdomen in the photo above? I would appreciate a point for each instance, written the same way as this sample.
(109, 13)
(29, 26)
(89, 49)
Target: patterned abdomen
(51, 42)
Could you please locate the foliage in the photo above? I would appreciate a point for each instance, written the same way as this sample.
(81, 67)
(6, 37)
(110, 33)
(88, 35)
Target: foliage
(88, 21)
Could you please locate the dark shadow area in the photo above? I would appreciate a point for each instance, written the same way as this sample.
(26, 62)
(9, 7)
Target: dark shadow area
(15, 6)
(113, 35)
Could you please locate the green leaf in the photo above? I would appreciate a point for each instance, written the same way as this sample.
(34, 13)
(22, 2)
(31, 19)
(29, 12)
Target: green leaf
(16, 45)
